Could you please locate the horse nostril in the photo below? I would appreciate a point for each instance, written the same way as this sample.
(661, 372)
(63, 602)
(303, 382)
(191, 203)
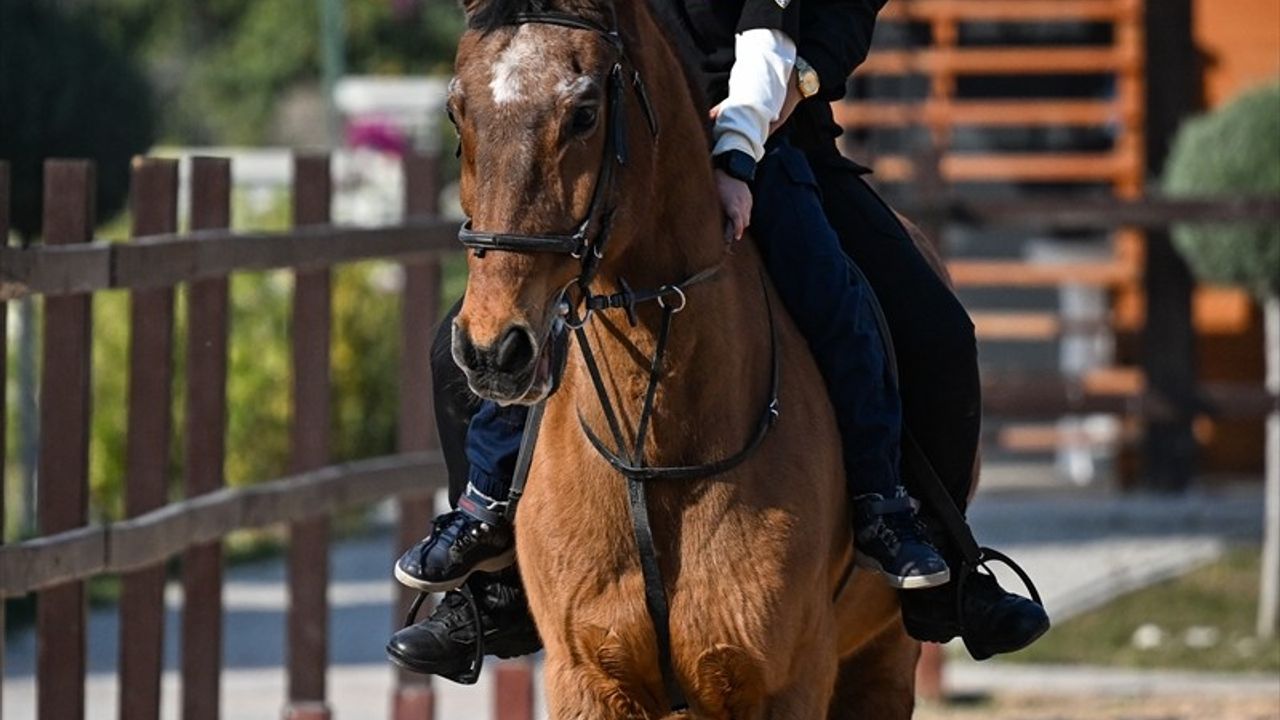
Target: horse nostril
(464, 351)
(515, 350)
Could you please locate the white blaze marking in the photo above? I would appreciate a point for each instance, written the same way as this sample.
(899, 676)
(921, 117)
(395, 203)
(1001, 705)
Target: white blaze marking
(518, 59)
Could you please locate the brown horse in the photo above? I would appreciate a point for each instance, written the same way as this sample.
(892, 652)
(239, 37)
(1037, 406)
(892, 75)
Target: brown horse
(764, 623)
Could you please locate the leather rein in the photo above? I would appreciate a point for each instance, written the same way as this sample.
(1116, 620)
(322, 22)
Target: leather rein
(588, 243)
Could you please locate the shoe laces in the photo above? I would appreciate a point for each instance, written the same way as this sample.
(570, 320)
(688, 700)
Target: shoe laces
(901, 527)
(456, 529)
(453, 612)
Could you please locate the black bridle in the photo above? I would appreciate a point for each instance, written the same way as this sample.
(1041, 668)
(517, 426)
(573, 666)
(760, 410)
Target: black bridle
(588, 243)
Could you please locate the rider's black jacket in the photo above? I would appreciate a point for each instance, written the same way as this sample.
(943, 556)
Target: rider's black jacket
(832, 35)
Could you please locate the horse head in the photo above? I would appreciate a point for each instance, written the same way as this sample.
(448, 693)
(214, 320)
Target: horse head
(542, 110)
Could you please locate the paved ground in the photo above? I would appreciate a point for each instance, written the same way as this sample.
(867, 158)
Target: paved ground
(1081, 549)
(1053, 707)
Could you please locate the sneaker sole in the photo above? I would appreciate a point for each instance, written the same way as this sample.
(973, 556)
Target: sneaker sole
(493, 564)
(905, 582)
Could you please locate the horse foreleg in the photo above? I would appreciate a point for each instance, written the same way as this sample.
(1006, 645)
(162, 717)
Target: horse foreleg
(879, 680)
(585, 691)
(804, 700)
(810, 692)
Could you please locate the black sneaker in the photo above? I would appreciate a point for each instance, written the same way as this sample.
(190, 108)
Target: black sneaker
(891, 541)
(445, 643)
(458, 546)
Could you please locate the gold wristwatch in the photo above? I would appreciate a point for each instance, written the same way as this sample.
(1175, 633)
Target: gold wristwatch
(807, 78)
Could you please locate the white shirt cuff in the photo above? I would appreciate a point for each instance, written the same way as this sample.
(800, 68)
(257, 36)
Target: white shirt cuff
(762, 67)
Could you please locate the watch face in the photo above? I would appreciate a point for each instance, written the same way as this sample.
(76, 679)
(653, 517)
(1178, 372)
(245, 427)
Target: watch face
(809, 83)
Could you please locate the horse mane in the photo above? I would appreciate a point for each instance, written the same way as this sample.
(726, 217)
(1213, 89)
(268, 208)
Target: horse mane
(680, 37)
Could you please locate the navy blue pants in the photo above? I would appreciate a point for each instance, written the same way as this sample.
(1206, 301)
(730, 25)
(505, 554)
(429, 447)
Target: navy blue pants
(831, 303)
(493, 444)
(828, 299)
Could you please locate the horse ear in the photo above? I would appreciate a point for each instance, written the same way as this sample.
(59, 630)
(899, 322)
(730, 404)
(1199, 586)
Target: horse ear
(471, 7)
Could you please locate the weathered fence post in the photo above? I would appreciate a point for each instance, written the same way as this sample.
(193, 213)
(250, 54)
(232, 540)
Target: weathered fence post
(931, 673)
(420, 311)
(154, 210)
(64, 443)
(4, 399)
(513, 690)
(1168, 339)
(308, 635)
(206, 421)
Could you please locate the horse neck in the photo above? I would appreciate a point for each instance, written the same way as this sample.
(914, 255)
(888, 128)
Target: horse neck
(717, 360)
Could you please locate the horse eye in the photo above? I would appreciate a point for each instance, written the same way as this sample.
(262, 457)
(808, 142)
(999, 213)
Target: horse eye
(584, 118)
(453, 119)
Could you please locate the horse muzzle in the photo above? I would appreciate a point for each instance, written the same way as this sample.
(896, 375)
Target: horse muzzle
(518, 369)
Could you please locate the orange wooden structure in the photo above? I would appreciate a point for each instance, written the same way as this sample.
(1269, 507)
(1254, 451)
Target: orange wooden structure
(944, 61)
(1242, 47)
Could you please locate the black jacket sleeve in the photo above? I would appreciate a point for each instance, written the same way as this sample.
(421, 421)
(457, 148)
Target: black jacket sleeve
(835, 36)
(781, 15)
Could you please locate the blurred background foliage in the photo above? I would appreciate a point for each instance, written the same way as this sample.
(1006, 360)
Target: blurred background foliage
(107, 80)
(65, 92)
(1233, 151)
(220, 67)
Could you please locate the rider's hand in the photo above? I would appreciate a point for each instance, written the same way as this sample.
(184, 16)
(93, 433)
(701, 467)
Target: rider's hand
(735, 198)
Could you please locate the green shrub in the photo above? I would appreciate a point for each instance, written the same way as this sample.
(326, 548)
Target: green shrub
(1230, 152)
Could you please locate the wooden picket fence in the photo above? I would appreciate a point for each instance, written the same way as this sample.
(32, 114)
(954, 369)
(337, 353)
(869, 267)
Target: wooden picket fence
(65, 271)
(70, 266)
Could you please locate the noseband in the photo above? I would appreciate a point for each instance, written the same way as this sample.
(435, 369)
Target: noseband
(581, 244)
